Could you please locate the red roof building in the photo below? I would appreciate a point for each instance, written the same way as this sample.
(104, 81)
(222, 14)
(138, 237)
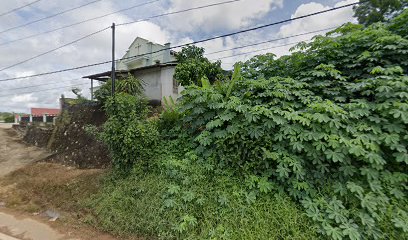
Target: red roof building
(44, 111)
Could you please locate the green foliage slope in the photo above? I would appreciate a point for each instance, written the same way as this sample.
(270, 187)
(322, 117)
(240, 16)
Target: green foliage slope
(332, 133)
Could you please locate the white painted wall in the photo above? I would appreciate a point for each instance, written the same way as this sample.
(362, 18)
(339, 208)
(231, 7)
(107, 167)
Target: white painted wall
(159, 83)
(152, 82)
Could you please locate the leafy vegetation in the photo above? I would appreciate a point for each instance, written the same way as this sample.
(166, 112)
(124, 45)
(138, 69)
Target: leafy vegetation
(130, 85)
(193, 66)
(181, 196)
(7, 117)
(372, 11)
(128, 134)
(332, 132)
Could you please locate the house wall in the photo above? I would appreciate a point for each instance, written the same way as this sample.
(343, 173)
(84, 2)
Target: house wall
(167, 82)
(159, 83)
(152, 85)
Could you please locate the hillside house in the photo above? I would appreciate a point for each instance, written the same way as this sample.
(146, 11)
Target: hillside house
(150, 62)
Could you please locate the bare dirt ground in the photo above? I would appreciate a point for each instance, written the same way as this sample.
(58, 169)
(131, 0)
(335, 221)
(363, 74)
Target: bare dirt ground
(29, 188)
(13, 153)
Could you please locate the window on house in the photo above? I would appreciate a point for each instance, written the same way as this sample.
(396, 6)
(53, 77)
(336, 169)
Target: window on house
(175, 86)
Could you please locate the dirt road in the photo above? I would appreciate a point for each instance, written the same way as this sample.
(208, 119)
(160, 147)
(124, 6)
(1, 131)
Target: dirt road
(13, 155)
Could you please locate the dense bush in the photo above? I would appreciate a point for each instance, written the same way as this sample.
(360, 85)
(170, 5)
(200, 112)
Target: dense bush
(332, 132)
(128, 134)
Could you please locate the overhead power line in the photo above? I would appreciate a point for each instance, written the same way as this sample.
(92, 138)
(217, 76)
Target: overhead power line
(183, 45)
(250, 29)
(39, 85)
(16, 9)
(50, 16)
(44, 84)
(42, 90)
(177, 12)
(57, 71)
(254, 44)
(75, 41)
(272, 40)
(78, 23)
(54, 49)
(260, 50)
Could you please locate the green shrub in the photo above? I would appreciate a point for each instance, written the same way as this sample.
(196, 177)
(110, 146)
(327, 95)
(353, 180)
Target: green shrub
(333, 134)
(9, 119)
(170, 116)
(129, 136)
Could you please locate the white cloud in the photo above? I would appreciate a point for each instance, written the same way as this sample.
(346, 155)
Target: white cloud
(228, 16)
(318, 22)
(321, 21)
(91, 50)
(23, 98)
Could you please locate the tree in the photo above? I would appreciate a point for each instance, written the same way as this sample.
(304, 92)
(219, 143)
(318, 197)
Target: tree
(192, 66)
(130, 85)
(372, 11)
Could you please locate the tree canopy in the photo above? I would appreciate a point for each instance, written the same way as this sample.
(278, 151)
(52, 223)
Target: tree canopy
(193, 66)
(372, 11)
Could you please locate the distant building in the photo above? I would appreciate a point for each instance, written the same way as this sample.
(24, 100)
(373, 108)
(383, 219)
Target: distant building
(44, 115)
(152, 63)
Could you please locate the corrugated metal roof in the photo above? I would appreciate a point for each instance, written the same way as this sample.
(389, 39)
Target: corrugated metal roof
(100, 76)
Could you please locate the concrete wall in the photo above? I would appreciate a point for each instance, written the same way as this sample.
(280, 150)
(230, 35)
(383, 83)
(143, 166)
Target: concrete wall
(151, 79)
(167, 79)
(159, 83)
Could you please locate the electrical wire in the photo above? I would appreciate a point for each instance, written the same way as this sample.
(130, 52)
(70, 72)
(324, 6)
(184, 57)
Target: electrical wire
(78, 23)
(57, 71)
(16, 9)
(42, 90)
(50, 16)
(44, 84)
(249, 29)
(54, 49)
(183, 45)
(272, 40)
(259, 50)
(177, 12)
(225, 50)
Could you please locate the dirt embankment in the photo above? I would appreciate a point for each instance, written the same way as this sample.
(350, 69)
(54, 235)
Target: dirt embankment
(37, 136)
(68, 140)
(30, 187)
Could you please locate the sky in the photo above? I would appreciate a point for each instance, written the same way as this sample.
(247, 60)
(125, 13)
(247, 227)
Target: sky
(44, 91)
